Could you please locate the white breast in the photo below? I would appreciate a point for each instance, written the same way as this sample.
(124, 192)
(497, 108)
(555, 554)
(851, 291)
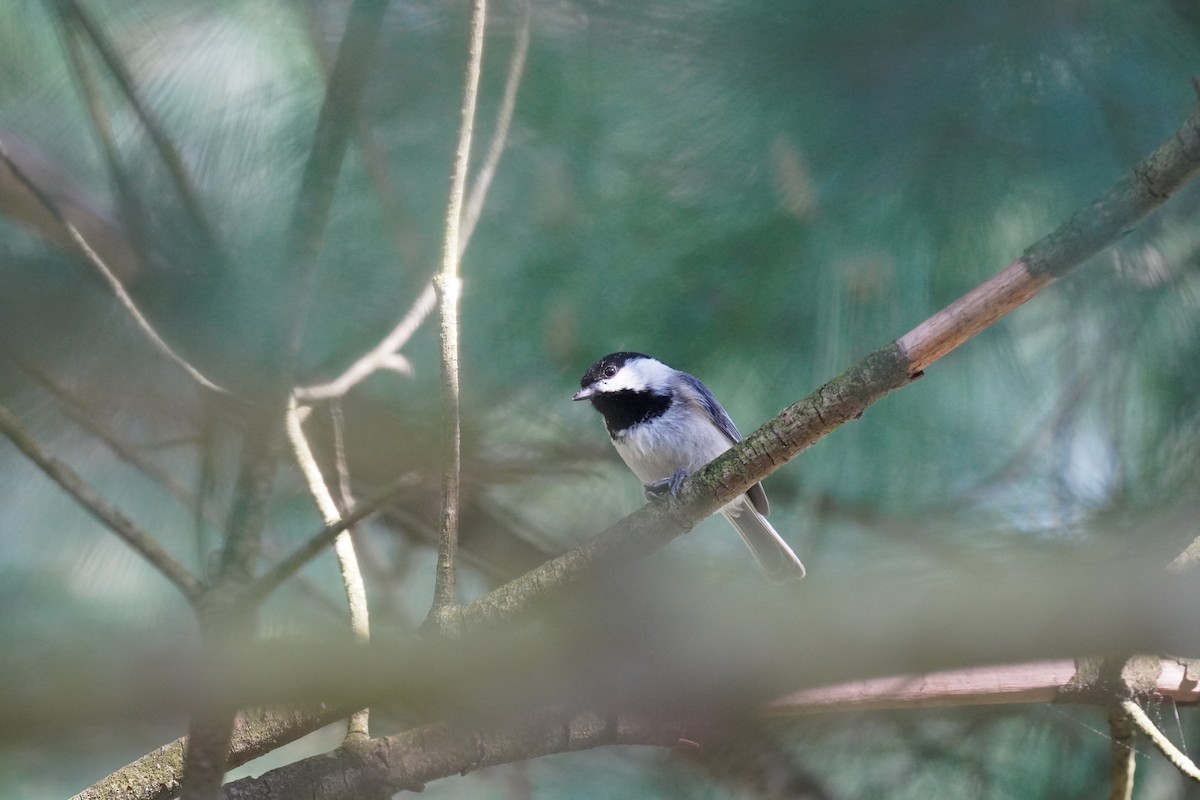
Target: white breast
(682, 437)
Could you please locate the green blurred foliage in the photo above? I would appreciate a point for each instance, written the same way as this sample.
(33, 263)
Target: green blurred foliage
(755, 192)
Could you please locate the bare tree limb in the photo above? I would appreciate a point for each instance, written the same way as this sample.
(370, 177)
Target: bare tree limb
(1038, 682)
(1094, 227)
(95, 504)
(449, 287)
(156, 775)
(409, 760)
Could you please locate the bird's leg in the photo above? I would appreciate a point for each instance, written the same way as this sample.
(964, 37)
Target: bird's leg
(672, 484)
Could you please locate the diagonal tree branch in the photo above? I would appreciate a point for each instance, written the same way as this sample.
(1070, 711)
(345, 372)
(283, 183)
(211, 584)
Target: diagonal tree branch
(383, 355)
(320, 541)
(78, 412)
(409, 760)
(155, 776)
(1147, 186)
(95, 504)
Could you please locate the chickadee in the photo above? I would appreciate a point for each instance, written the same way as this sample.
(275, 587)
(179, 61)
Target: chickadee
(666, 424)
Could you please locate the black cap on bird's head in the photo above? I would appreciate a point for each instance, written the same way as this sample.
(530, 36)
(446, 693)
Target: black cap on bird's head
(604, 369)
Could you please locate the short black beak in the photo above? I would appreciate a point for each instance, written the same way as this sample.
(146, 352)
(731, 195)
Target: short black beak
(584, 394)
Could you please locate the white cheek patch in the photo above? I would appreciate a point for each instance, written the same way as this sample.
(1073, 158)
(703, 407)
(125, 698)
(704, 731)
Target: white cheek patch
(638, 376)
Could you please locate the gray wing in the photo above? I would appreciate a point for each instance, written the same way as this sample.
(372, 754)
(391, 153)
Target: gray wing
(724, 423)
(715, 412)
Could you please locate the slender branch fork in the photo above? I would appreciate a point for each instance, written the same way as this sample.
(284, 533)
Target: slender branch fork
(386, 355)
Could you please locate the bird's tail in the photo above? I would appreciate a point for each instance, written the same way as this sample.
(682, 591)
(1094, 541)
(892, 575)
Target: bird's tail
(770, 550)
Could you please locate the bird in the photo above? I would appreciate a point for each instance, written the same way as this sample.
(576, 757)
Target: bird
(666, 424)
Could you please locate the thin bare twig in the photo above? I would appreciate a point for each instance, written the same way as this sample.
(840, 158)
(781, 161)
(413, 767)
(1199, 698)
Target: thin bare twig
(316, 544)
(1165, 746)
(383, 356)
(78, 413)
(449, 287)
(343, 546)
(114, 283)
(487, 170)
(91, 500)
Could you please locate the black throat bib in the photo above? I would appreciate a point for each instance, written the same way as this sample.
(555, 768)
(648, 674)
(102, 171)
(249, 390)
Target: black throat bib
(624, 409)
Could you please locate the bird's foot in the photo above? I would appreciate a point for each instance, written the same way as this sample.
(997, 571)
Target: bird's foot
(672, 484)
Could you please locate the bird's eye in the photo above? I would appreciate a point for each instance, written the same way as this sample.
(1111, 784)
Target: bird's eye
(609, 371)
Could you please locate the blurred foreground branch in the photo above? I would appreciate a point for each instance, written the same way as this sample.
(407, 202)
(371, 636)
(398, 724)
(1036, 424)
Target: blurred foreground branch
(708, 652)
(408, 760)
